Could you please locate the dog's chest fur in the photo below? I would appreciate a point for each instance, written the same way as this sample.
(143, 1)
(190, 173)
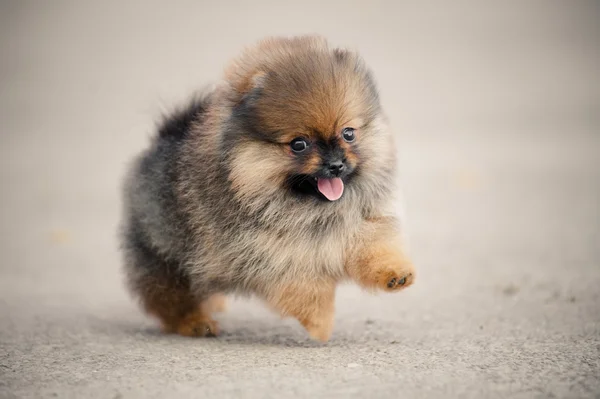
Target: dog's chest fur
(312, 249)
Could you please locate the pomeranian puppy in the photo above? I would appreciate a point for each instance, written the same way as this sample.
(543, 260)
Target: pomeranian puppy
(278, 183)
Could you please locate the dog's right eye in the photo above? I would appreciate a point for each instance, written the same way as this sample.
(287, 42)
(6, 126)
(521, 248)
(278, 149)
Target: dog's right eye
(299, 145)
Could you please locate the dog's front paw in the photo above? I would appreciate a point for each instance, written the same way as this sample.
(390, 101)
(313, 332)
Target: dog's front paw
(393, 272)
(395, 281)
(382, 266)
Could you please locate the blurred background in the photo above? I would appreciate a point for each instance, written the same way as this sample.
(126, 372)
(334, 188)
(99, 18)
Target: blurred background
(497, 110)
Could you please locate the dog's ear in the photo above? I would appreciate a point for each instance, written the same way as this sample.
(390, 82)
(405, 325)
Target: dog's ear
(257, 81)
(341, 54)
(245, 79)
(250, 88)
(251, 83)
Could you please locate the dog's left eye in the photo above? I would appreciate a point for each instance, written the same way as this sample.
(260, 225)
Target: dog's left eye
(348, 134)
(299, 145)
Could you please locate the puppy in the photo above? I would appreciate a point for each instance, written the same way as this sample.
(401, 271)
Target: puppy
(277, 183)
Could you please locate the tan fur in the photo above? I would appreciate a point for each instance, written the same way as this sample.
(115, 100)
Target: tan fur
(311, 302)
(311, 165)
(215, 304)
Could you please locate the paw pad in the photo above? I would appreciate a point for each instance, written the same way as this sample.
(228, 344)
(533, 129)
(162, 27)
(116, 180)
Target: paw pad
(396, 282)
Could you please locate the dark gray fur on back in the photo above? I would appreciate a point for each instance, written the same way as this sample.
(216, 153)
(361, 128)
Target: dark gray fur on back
(154, 232)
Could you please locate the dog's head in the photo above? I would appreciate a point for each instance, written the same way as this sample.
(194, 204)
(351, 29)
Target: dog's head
(306, 122)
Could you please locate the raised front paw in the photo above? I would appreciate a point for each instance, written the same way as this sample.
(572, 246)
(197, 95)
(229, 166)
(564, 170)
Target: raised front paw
(397, 280)
(392, 272)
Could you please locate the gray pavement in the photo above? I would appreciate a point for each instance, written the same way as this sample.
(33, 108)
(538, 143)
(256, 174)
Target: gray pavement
(497, 109)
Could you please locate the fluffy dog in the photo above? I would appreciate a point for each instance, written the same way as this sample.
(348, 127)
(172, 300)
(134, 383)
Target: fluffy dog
(277, 183)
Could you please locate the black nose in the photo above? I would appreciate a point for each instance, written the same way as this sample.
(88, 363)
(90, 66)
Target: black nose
(336, 168)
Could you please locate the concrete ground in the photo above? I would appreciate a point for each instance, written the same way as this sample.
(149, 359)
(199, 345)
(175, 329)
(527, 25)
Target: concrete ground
(497, 108)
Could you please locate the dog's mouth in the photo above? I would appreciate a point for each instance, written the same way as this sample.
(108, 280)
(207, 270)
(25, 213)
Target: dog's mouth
(329, 189)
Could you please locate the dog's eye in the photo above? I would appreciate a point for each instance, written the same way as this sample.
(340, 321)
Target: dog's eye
(299, 145)
(348, 134)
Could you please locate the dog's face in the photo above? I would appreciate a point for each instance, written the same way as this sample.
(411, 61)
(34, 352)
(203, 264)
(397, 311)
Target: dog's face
(305, 126)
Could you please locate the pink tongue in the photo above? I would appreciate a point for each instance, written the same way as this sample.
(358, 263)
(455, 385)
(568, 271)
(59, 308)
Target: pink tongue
(332, 189)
